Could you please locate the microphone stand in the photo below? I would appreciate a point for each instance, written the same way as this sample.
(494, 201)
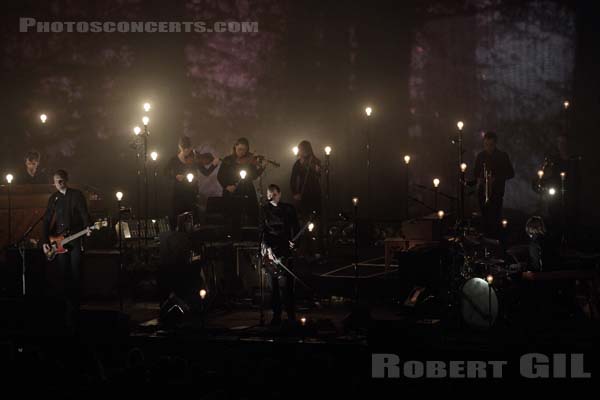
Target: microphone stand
(22, 252)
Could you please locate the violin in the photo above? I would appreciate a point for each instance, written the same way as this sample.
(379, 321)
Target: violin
(256, 160)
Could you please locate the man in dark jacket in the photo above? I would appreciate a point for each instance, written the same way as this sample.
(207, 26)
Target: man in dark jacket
(496, 165)
(278, 225)
(67, 214)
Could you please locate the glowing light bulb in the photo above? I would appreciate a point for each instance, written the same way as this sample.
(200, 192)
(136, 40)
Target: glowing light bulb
(463, 167)
(563, 175)
(460, 125)
(303, 321)
(327, 150)
(295, 150)
(9, 178)
(145, 120)
(243, 174)
(147, 107)
(202, 293)
(43, 118)
(406, 159)
(436, 182)
(566, 104)
(489, 279)
(368, 111)
(154, 156)
(137, 130)
(504, 223)
(311, 227)
(190, 177)
(551, 191)
(119, 196)
(355, 201)
(540, 174)
(441, 214)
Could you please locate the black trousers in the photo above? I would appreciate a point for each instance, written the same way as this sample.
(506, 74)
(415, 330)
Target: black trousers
(282, 287)
(70, 273)
(491, 213)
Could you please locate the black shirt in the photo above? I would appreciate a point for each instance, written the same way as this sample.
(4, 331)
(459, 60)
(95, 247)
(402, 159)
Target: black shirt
(66, 213)
(500, 167)
(185, 189)
(277, 226)
(229, 174)
(305, 180)
(40, 178)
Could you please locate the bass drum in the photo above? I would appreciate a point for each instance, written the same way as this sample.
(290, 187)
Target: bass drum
(478, 304)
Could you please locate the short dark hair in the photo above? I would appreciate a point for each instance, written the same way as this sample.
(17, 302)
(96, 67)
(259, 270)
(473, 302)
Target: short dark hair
(64, 175)
(32, 156)
(272, 187)
(535, 226)
(491, 136)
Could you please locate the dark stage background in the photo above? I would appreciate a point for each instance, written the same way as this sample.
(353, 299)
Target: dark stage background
(308, 74)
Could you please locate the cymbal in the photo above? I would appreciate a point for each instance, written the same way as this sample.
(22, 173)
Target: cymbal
(489, 261)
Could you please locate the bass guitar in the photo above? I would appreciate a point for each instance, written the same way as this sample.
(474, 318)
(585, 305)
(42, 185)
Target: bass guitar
(57, 243)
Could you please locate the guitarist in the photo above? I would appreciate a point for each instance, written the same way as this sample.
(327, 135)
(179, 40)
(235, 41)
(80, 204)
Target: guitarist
(277, 226)
(66, 213)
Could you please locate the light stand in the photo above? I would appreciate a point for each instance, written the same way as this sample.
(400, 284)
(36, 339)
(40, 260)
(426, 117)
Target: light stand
(461, 174)
(154, 157)
(407, 186)
(368, 111)
(563, 176)
(119, 196)
(137, 132)
(146, 120)
(436, 184)
(9, 179)
(327, 192)
(355, 204)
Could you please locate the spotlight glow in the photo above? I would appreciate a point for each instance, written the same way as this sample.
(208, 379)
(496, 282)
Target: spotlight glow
(119, 196)
(551, 191)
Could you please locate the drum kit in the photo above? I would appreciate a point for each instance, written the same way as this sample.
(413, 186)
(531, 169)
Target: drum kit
(481, 280)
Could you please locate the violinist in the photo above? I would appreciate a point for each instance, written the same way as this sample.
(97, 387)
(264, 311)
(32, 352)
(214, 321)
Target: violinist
(184, 193)
(305, 181)
(236, 186)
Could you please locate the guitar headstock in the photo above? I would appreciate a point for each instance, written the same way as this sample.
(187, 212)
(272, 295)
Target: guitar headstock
(99, 224)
